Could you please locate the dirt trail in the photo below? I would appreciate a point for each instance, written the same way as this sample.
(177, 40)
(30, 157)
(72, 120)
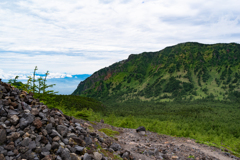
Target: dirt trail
(151, 146)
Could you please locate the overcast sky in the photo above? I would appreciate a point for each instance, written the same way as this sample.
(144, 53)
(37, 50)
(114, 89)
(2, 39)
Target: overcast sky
(70, 37)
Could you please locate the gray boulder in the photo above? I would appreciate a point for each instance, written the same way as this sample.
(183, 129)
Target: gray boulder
(141, 128)
(63, 130)
(115, 146)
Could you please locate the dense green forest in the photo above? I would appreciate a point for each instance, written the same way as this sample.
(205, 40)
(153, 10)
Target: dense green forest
(210, 121)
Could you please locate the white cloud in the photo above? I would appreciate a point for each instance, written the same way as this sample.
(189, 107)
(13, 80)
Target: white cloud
(77, 37)
(24, 75)
(58, 65)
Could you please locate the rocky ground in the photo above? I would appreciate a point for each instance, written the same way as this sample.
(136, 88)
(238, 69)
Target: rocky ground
(145, 145)
(29, 130)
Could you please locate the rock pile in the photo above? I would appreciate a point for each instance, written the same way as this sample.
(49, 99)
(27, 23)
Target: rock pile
(30, 130)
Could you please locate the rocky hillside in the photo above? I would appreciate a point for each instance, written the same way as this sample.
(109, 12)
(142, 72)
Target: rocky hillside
(184, 71)
(30, 130)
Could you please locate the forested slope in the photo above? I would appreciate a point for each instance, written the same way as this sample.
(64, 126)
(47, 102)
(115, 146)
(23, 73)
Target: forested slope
(184, 71)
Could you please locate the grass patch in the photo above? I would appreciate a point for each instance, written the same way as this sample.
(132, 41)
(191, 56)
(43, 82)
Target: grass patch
(109, 132)
(110, 155)
(93, 123)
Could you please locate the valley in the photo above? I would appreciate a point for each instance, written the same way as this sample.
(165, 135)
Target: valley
(189, 90)
(186, 90)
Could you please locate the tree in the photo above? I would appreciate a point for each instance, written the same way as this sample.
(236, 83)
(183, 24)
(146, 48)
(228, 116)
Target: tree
(39, 91)
(34, 80)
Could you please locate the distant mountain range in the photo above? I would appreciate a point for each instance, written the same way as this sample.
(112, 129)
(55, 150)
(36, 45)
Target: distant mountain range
(185, 71)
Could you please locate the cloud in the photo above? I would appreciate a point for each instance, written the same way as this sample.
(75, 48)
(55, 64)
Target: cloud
(78, 37)
(57, 65)
(24, 75)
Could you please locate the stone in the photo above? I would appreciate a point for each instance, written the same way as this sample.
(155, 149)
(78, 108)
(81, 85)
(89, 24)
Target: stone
(49, 128)
(14, 119)
(79, 141)
(28, 117)
(10, 153)
(44, 132)
(65, 154)
(2, 157)
(48, 157)
(59, 151)
(88, 140)
(126, 155)
(174, 157)
(15, 135)
(72, 150)
(62, 144)
(23, 123)
(43, 116)
(115, 146)
(52, 120)
(10, 146)
(38, 138)
(14, 104)
(63, 130)
(111, 150)
(15, 152)
(3, 119)
(97, 156)
(141, 128)
(45, 110)
(8, 123)
(156, 152)
(48, 146)
(3, 136)
(79, 150)
(165, 156)
(79, 128)
(26, 135)
(34, 111)
(44, 154)
(44, 140)
(142, 133)
(37, 123)
(32, 145)
(74, 156)
(55, 145)
(25, 142)
(12, 112)
(56, 139)
(2, 111)
(87, 157)
(70, 135)
(17, 142)
(55, 133)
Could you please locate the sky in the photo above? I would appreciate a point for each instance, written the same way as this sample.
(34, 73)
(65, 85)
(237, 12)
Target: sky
(71, 38)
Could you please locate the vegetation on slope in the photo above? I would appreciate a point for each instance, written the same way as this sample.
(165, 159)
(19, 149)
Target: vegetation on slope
(185, 71)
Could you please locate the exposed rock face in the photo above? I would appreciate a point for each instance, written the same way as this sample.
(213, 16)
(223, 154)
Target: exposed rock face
(30, 130)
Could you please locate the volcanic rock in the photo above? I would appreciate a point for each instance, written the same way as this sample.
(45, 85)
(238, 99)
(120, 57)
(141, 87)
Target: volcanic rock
(30, 130)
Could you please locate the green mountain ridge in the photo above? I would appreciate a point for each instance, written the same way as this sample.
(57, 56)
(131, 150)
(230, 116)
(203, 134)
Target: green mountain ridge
(184, 71)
